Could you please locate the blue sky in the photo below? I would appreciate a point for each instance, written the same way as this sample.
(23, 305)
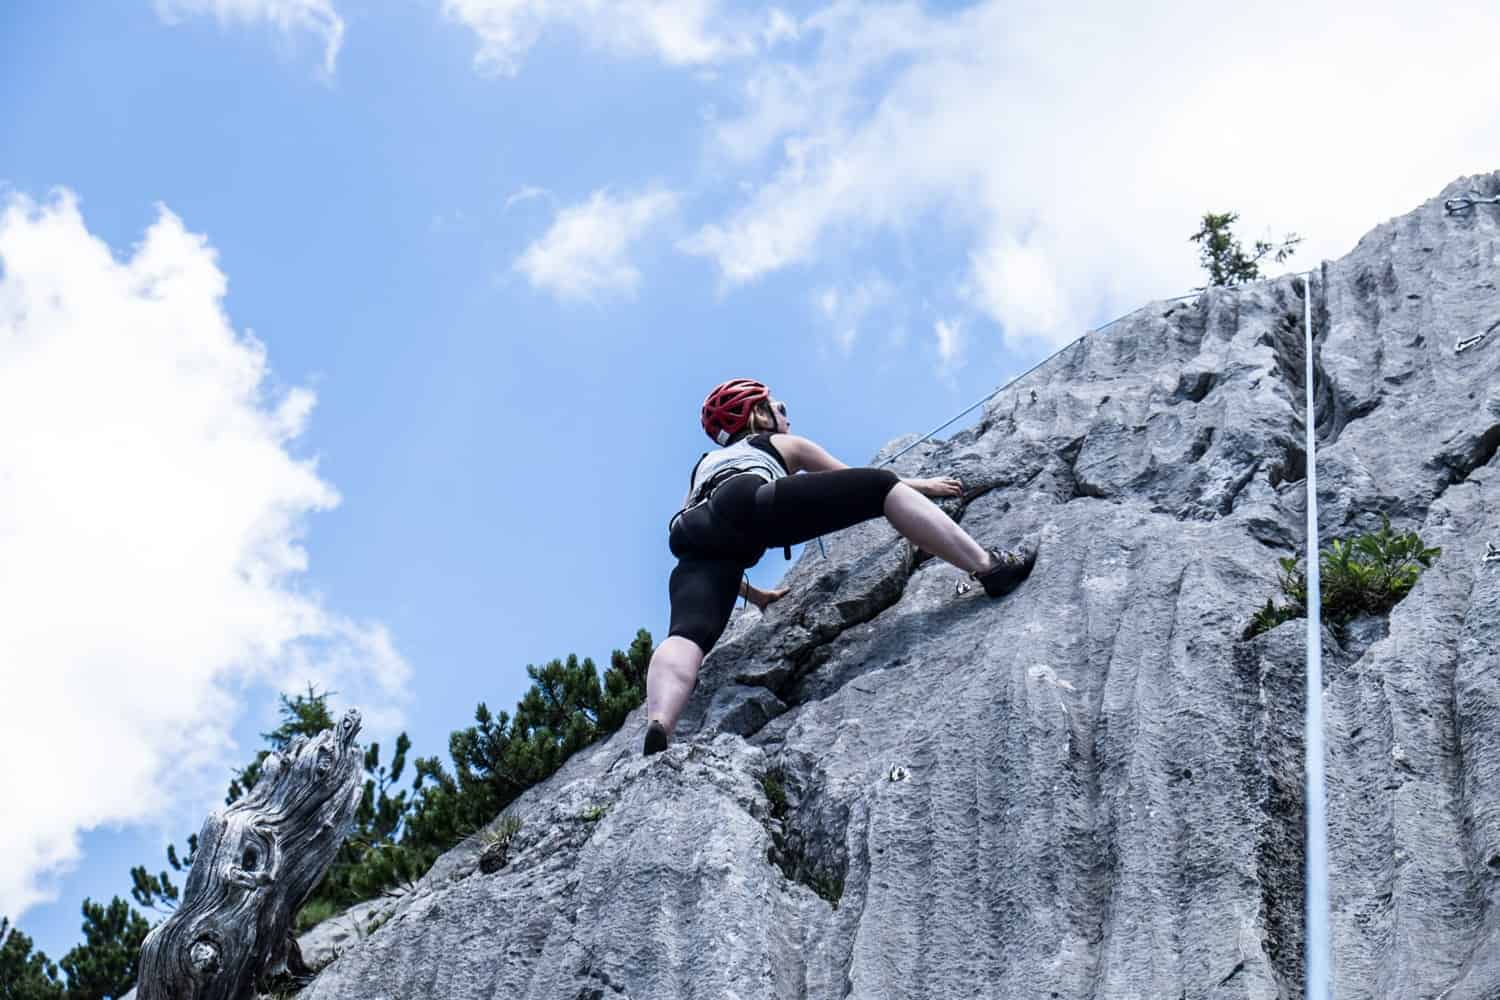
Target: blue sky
(389, 377)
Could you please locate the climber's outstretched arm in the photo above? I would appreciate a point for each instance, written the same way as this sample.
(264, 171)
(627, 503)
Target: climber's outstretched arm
(804, 454)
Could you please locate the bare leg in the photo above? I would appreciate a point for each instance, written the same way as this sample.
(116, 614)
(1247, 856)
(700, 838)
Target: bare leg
(925, 524)
(670, 679)
(673, 672)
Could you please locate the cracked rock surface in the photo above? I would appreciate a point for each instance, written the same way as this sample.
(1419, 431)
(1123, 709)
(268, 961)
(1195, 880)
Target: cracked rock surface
(1092, 788)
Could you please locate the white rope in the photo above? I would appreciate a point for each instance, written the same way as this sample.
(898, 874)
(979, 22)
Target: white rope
(1319, 972)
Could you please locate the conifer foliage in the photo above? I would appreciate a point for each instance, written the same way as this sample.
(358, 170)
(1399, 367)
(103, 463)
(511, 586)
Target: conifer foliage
(499, 757)
(397, 835)
(1224, 258)
(25, 974)
(104, 965)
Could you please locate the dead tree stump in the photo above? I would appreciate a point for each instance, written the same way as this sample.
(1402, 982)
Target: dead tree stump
(257, 862)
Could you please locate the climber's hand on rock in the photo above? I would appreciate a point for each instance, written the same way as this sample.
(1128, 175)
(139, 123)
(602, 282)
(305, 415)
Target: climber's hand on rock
(943, 486)
(761, 598)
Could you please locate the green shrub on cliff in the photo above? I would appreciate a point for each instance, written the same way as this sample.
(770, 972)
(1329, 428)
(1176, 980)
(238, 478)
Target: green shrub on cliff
(1366, 575)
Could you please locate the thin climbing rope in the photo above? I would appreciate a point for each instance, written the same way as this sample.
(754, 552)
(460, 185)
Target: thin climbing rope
(1319, 985)
(999, 389)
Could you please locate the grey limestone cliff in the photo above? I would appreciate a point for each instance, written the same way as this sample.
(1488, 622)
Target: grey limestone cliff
(1092, 788)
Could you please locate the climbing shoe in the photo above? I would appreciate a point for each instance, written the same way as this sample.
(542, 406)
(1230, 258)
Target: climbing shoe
(656, 739)
(1011, 567)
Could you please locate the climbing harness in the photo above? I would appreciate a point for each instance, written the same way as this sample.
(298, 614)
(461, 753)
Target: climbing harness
(1466, 203)
(1492, 552)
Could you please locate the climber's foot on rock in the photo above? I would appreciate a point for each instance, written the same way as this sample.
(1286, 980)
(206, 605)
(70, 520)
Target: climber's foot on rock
(656, 739)
(1007, 568)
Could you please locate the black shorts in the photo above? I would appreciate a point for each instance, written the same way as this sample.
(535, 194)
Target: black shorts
(717, 541)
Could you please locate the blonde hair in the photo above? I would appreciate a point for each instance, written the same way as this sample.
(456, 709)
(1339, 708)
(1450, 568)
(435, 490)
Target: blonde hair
(762, 418)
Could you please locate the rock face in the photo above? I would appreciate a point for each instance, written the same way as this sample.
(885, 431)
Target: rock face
(1092, 788)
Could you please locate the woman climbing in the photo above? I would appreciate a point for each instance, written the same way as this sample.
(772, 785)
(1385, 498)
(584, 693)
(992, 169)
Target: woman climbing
(746, 497)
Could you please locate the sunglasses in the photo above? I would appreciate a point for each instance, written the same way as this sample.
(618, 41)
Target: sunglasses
(779, 407)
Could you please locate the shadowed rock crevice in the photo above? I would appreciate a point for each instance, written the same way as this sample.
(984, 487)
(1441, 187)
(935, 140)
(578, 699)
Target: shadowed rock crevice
(1287, 338)
(809, 853)
(1291, 468)
(1193, 387)
(1468, 454)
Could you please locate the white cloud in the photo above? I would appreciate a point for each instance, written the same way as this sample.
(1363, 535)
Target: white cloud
(315, 16)
(583, 255)
(150, 526)
(679, 32)
(949, 343)
(845, 309)
(527, 193)
(950, 347)
(1074, 150)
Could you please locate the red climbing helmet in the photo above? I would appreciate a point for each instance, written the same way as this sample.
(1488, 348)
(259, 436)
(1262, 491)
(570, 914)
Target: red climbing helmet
(727, 408)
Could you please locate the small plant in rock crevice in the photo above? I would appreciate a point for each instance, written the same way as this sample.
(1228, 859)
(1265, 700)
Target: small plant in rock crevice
(1365, 575)
(770, 784)
(494, 852)
(788, 856)
(501, 833)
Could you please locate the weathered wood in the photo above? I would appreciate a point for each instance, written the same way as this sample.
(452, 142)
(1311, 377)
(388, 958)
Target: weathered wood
(257, 862)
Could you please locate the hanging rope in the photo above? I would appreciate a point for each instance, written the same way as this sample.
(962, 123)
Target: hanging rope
(1319, 951)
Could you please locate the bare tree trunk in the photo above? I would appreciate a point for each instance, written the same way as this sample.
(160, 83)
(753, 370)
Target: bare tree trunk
(257, 862)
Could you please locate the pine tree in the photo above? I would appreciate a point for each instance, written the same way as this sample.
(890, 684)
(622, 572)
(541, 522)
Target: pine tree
(625, 682)
(158, 892)
(499, 757)
(105, 964)
(1223, 257)
(25, 974)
